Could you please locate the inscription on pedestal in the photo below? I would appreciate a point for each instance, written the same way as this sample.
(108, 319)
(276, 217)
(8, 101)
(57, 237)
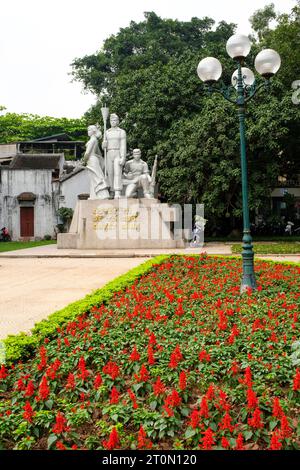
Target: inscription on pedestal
(116, 220)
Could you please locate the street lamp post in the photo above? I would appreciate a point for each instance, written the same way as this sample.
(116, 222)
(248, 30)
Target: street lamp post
(242, 90)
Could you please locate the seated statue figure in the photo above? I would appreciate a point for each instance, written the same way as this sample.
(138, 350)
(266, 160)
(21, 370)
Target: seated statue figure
(136, 175)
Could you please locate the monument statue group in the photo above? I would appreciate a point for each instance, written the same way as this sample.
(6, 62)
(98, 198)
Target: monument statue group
(111, 174)
(121, 211)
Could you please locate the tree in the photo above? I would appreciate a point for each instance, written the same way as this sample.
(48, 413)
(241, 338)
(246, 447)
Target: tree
(15, 127)
(147, 73)
(260, 20)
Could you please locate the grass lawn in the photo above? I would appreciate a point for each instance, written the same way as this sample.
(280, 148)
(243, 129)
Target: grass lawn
(266, 238)
(177, 360)
(11, 246)
(271, 248)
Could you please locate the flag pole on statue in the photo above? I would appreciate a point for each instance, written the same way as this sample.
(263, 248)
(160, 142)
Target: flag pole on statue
(105, 114)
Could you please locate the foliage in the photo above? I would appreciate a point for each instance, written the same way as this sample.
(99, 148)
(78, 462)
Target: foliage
(22, 345)
(65, 213)
(271, 248)
(179, 359)
(260, 20)
(147, 73)
(17, 127)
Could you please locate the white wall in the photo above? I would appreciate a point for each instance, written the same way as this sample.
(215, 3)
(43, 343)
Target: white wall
(14, 182)
(71, 187)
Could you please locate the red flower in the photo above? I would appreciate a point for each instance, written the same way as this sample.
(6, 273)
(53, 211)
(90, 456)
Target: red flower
(275, 443)
(67, 343)
(277, 410)
(204, 408)
(194, 419)
(239, 443)
(175, 357)
(70, 381)
(234, 368)
(60, 446)
(113, 441)
(256, 421)
(60, 424)
(51, 371)
(144, 374)
(28, 412)
(134, 356)
(204, 356)
(44, 390)
(82, 368)
(252, 401)
(143, 442)
(151, 359)
(133, 399)
(20, 385)
(173, 399)
(152, 339)
(98, 381)
(168, 410)
(112, 369)
(43, 356)
(248, 377)
(222, 320)
(208, 439)
(158, 387)
(285, 429)
(182, 380)
(210, 394)
(296, 381)
(3, 372)
(273, 338)
(114, 396)
(29, 391)
(224, 443)
(226, 422)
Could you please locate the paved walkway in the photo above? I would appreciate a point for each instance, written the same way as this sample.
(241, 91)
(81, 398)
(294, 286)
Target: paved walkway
(50, 251)
(31, 289)
(38, 281)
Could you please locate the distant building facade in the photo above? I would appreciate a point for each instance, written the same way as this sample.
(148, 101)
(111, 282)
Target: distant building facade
(33, 186)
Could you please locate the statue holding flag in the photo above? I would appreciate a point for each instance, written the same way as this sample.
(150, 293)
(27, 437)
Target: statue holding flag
(114, 145)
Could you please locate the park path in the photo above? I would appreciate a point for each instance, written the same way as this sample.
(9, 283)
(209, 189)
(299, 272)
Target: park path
(33, 288)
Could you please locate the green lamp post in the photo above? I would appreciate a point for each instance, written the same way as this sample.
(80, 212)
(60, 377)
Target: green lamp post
(242, 90)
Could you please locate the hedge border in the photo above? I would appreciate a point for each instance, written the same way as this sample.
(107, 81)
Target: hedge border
(22, 345)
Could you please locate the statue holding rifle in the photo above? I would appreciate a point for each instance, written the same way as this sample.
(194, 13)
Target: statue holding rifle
(136, 175)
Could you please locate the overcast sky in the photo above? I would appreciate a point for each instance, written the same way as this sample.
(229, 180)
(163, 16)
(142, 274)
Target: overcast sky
(39, 39)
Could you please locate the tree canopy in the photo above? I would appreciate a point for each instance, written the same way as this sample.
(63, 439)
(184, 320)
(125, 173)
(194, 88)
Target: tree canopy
(15, 127)
(147, 74)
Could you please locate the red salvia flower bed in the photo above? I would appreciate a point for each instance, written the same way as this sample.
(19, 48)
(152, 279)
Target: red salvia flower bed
(180, 360)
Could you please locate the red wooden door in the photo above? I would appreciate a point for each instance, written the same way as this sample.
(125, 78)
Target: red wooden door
(27, 221)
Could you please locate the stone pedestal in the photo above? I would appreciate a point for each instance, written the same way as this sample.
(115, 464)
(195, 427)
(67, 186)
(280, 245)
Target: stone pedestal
(121, 224)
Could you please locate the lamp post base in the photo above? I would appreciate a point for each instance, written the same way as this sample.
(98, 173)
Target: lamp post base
(248, 279)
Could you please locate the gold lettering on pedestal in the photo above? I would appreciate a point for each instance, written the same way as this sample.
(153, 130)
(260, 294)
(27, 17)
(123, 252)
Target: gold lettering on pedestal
(107, 219)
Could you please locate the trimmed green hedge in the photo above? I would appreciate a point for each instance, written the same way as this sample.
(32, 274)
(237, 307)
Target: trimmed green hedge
(22, 345)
